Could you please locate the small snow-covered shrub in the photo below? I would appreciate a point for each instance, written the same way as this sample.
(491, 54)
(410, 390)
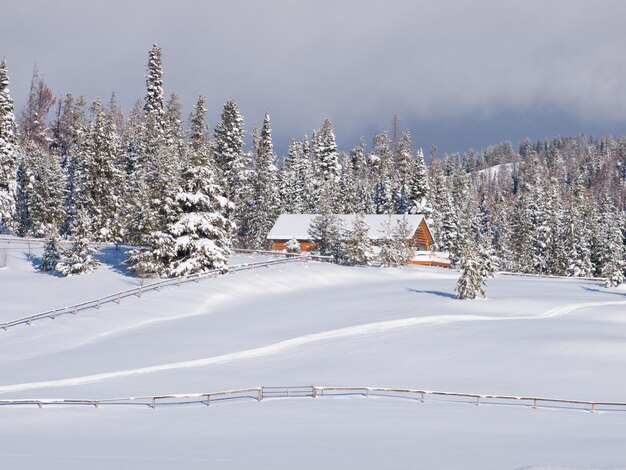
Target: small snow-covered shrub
(53, 252)
(293, 246)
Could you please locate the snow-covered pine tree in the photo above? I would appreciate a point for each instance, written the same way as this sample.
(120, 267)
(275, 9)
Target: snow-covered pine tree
(8, 154)
(173, 131)
(383, 187)
(325, 151)
(53, 252)
(202, 234)
(265, 199)
(327, 232)
(78, 259)
(364, 203)
(229, 155)
(46, 211)
(501, 226)
(346, 200)
(471, 282)
(99, 177)
(197, 237)
(419, 188)
(358, 247)
(579, 231)
(613, 250)
(403, 169)
(396, 244)
(293, 180)
(154, 102)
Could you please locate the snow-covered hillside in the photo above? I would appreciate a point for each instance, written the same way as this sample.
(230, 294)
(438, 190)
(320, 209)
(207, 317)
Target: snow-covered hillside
(311, 324)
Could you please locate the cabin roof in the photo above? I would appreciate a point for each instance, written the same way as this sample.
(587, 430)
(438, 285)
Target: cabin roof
(289, 226)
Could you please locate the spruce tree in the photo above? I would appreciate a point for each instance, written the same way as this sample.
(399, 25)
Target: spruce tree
(53, 252)
(327, 232)
(78, 259)
(470, 283)
(8, 154)
(419, 188)
(154, 102)
(229, 154)
(46, 211)
(396, 244)
(265, 199)
(358, 248)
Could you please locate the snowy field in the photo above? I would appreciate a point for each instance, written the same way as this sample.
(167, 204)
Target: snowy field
(311, 324)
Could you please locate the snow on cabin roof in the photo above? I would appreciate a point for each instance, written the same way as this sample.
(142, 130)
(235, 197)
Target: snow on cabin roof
(289, 226)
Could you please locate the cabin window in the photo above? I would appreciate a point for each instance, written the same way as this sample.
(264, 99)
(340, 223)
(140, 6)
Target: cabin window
(422, 247)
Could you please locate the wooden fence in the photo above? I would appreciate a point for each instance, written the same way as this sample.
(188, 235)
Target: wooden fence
(311, 391)
(117, 297)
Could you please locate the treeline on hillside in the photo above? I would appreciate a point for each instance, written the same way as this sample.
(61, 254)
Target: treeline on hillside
(87, 172)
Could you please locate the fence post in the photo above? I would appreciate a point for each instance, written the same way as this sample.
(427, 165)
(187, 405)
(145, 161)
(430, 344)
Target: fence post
(535, 403)
(74, 310)
(260, 394)
(153, 403)
(54, 315)
(477, 400)
(29, 321)
(98, 305)
(367, 393)
(208, 399)
(422, 398)
(593, 407)
(118, 299)
(314, 391)
(139, 293)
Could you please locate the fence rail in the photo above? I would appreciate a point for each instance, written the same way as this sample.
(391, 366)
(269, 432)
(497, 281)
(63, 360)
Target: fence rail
(311, 391)
(117, 297)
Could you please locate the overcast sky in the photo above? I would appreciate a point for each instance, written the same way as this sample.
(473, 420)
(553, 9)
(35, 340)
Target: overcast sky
(458, 74)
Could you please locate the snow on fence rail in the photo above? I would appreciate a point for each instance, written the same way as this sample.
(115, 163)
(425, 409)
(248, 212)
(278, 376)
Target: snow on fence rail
(262, 393)
(140, 290)
(329, 259)
(551, 276)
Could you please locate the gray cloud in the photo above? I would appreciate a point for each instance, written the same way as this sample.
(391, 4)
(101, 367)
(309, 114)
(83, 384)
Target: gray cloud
(444, 68)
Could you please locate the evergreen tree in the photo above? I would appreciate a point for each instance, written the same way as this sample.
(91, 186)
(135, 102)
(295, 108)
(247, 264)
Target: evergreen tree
(327, 232)
(358, 248)
(53, 252)
(396, 245)
(8, 154)
(229, 154)
(294, 180)
(46, 211)
(419, 188)
(196, 236)
(265, 200)
(154, 102)
(383, 187)
(79, 258)
(471, 281)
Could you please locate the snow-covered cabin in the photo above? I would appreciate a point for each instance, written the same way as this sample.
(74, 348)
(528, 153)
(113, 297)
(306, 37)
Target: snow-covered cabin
(296, 226)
